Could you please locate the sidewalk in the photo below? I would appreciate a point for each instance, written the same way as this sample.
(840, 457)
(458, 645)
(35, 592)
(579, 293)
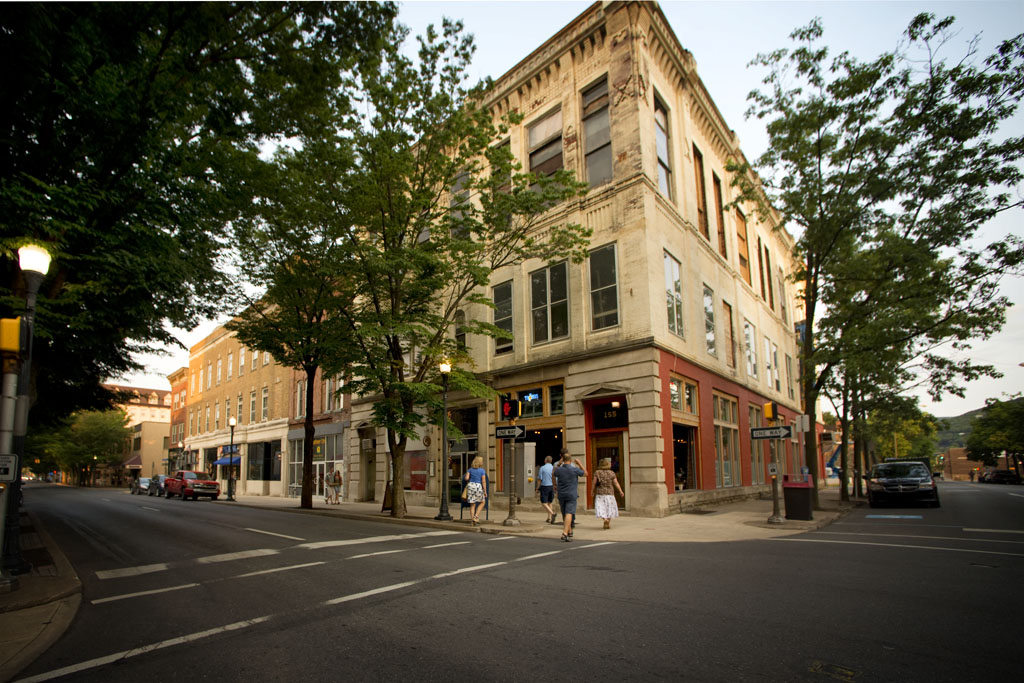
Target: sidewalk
(33, 617)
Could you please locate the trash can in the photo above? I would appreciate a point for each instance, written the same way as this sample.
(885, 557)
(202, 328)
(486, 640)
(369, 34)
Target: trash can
(796, 491)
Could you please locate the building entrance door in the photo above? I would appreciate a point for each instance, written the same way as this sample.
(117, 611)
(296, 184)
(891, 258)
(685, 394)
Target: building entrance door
(607, 446)
(319, 470)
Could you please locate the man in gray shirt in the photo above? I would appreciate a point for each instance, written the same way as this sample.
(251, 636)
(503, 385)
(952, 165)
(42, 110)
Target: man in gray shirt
(566, 478)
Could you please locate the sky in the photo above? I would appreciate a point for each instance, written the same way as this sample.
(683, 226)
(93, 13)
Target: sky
(724, 37)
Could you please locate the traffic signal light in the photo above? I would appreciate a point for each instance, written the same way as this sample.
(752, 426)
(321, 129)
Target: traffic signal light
(509, 407)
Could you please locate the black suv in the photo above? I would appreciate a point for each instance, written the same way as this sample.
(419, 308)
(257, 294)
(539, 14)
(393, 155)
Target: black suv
(897, 482)
(156, 485)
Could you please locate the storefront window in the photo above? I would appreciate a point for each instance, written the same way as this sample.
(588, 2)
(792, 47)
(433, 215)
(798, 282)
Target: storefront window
(556, 399)
(727, 451)
(531, 402)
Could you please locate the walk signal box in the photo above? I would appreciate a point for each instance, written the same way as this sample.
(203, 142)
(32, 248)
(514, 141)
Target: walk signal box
(510, 407)
(771, 410)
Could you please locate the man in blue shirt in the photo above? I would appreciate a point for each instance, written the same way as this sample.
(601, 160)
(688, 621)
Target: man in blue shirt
(566, 479)
(546, 488)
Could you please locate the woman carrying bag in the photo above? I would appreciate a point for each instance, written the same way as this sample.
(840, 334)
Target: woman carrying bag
(475, 492)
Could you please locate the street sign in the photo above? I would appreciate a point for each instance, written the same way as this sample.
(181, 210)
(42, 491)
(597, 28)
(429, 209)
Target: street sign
(783, 432)
(773, 469)
(8, 467)
(513, 432)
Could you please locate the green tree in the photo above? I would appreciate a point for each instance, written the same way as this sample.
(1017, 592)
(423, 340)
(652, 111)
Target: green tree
(859, 162)
(130, 132)
(89, 439)
(426, 207)
(998, 431)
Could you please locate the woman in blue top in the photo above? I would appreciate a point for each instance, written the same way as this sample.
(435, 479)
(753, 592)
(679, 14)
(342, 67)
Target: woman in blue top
(476, 488)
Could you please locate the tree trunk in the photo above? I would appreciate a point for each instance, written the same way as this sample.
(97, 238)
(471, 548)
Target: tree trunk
(309, 431)
(396, 451)
(809, 385)
(844, 440)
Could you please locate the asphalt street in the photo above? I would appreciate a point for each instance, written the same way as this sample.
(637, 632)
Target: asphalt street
(183, 590)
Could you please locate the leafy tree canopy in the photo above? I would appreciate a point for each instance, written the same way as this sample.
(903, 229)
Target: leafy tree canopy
(998, 431)
(130, 131)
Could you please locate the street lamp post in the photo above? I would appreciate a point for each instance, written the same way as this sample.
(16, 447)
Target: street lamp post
(34, 262)
(443, 514)
(177, 460)
(231, 458)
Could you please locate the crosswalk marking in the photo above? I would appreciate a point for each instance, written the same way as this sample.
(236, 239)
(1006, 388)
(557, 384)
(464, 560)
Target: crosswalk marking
(113, 598)
(131, 571)
(242, 555)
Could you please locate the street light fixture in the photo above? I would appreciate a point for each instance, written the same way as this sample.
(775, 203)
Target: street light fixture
(35, 263)
(231, 457)
(443, 515)
(181, 454)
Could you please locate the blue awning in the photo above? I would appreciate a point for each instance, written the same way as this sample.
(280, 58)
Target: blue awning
(234, 460)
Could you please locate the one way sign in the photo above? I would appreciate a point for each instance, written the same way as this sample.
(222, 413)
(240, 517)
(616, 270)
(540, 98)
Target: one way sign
(513, 432)
(783, 432)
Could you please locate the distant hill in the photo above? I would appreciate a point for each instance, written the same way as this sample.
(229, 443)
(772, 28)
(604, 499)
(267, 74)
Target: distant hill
(957, 429)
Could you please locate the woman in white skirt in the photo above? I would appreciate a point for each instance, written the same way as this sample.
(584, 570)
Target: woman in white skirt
(605, 486)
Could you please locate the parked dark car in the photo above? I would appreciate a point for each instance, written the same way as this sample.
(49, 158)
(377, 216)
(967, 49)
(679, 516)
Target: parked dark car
(1003, 477)
(139, 486)
(901, 482)
(156, 485)
(985, 477)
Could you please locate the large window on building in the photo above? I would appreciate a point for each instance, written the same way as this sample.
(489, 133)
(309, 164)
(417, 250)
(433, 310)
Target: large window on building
(727, 444)
(265, 399)
(252, 407)
(531, 402)
(597, 134)
(220, 366)
(300, 398)
(768, 361)
(776, 375)
(673, 294)
(750, 347)
(231, 365)
(241, 361)
(545, 140)
(549, 303)
(709, 321)
(661, 136)
(730, 335)
(742, 249)
(758, 448)
(683, 395)
(209, 374)
(702, 195)
(502, 295)
(604, 288)
(216, 416)
(719, 214)
(238, 411)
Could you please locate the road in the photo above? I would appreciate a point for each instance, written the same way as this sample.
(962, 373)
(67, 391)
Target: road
(203, 590)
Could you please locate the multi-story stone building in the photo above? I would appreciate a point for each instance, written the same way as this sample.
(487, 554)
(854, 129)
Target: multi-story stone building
(225, 381)
(179, 412)
(149, 412)
(660, 350)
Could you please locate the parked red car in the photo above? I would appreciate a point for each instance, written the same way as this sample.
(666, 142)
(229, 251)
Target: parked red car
(190, 484)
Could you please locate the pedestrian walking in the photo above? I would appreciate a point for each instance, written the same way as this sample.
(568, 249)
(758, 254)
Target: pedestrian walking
(336, 487)
(322, 481)
(566, 480)
(547, 488)
(476, 488)
(605, 486)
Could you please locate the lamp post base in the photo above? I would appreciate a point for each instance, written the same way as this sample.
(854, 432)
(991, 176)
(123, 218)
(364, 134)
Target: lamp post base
(511, 521)
(443, 517)
(776, 519)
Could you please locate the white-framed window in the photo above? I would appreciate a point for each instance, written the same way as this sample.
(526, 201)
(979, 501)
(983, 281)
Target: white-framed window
(775, 367)
(192, 383)
(255, 358)
(200, 380)
(220, 367)
(265, 399)
(545, 141)
(238, 411)
(241, 361)
(702, 195)
(727, 441)
(209, 374)
(216, 415)
(683, 395)
(207, 417)
(750, 347)
(674, 294)
(604, 288)
(266, 357)
(327, 400)
(730, 335)
(191, 428)
(252, 407)
(757, 448)
(503, 316)
(300, 398)
(231, 365)
(661, 136)
(709, 321)
(597, 134)
(768, 361)
(549, 303)
(339, 394)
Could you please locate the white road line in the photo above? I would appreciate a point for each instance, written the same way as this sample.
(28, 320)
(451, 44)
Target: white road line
(131, 571)
(446, 545)
(537, 556)
(465, 570)
(1015, 495)
(375, 591)
(141, 593)
(317, 545)
(242, 555)
(501, 538)
(278, 569)
(105, 500)
(995, 531)
(126, 654)
(899, 545)
(934, 538)
(595, 545)
(148, 508)
(382, 552)
(271, 533)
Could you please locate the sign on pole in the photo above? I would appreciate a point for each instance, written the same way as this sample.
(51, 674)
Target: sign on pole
(8, 467)
(513, 432)
(783, 432)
